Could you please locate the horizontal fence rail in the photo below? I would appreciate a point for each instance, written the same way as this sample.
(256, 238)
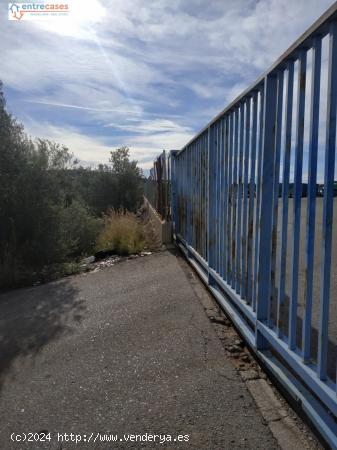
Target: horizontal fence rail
(252, 200)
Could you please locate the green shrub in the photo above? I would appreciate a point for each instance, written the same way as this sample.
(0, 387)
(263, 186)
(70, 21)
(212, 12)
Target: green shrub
(78, 230)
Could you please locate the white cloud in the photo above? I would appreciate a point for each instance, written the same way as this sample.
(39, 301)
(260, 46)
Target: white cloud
(151, 137)
(86, 148)
(154, 71)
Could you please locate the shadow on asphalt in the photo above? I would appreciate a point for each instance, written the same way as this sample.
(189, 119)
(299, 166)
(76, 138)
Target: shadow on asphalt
(31, 318)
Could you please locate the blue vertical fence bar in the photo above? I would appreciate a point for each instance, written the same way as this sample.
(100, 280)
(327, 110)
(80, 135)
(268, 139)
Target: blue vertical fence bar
(206, 189)
(329, 171)
(199, 191)
(265, 218)
(215, 177)
(276, 187)
(243, 291)
(222, 201)
(252, 185)
(186, 196)
(189, 195)
(285, 195)
(194, 195)
(203, 170)
(258, 200)
(223, 204)
(218, 195)
(211, 202)
(230, 122)
(312, 192)
(234, 197)
(230, 219)
(239, 201)
(200, 249)
(297, 197)
(198, 194)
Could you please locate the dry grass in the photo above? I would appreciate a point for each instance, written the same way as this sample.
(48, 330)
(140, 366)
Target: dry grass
(121, 233)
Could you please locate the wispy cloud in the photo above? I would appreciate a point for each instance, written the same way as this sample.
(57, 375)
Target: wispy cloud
(102, 110)
(63, 105)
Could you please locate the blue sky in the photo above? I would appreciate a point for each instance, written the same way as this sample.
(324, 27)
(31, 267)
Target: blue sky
(146, 74)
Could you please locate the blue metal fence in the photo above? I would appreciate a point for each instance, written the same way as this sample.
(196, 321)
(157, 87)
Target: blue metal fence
(232, 218)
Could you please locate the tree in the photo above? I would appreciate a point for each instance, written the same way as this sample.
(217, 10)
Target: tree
(121, 164)
(129, 182)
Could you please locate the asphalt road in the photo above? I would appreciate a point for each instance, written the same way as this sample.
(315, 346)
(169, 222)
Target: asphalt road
(125, 350)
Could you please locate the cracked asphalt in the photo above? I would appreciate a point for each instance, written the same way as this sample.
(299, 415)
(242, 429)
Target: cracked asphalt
(125, 350)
